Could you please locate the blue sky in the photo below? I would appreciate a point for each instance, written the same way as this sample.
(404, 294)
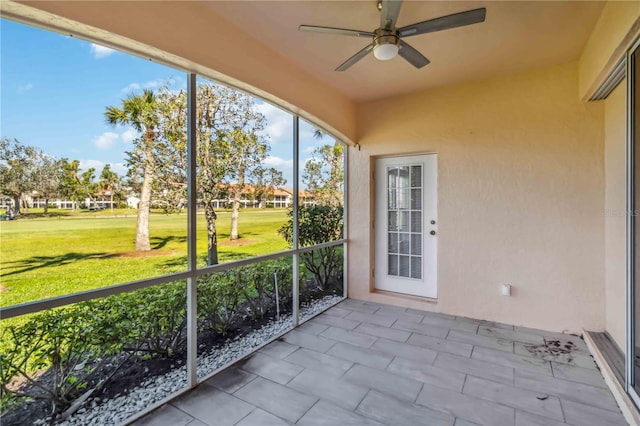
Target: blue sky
(54, 90)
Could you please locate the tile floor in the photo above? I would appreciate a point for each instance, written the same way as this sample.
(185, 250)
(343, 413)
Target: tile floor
(362, 363)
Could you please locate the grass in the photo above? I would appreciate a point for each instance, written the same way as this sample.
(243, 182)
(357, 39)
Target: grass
(63, 252)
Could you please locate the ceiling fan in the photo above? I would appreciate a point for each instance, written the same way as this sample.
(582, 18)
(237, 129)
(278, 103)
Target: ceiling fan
(387, 40)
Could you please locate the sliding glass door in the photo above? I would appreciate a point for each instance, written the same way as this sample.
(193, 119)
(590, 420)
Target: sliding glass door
(633, 224)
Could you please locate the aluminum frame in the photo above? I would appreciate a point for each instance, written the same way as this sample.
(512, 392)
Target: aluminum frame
(295, 286)
(191, 274)
(630, 379)
(345, 221)
(192, 229)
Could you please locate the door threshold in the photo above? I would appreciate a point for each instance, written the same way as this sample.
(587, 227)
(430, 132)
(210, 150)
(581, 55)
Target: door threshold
(406, 296)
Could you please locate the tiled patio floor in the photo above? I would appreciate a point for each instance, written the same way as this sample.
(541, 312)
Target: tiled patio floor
(365, 363)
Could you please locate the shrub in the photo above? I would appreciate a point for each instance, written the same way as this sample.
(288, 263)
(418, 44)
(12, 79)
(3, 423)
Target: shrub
(316, 225)
(259, 290)
(225, 297)
(151, 320)
(219, 295)
(57, 353)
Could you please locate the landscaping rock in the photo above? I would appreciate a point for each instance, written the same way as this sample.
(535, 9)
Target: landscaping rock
(117, 410)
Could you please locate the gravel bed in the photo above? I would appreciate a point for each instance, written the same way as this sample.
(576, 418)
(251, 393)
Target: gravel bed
(119, 409)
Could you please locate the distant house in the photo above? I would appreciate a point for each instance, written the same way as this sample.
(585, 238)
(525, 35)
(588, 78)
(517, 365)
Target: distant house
(305, 198)
(276, 197)
(133, 201)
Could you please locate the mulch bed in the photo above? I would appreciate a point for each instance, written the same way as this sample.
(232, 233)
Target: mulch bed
(135, 369)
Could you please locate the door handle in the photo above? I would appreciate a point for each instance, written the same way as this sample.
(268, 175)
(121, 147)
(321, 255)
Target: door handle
(433, 232)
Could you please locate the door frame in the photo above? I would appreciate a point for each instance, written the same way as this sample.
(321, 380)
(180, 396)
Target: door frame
(372, 215)
(631, 136)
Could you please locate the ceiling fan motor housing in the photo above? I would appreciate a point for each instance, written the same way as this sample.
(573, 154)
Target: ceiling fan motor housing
(386, 44)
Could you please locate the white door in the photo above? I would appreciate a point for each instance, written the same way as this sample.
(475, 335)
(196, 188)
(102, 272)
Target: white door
(406, 224)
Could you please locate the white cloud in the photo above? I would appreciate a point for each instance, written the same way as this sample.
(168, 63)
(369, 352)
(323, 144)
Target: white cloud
(98, 165)
(87, 164)
(119, 168)
(131, 88)
(173, 83)
(278, 163)
(155, 83)
(100, 52)
(106, 140)
(25, 88)
(128, 135)
(279, 123)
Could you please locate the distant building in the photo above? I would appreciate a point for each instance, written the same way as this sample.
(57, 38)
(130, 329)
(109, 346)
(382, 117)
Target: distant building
(279, 198)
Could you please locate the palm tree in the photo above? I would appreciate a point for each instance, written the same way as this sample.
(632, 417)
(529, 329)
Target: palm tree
(141, 111)
(71, 181)
(318, 133)
(108, 182)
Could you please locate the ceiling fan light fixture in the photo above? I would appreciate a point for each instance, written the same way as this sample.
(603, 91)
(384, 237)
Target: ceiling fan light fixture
(385, 52)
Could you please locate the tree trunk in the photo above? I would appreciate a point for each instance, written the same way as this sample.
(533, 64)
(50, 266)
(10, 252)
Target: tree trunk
(212, 238)
(235, 211)
(111, 201)
(142, 226)
(46, 205)
(16, 204)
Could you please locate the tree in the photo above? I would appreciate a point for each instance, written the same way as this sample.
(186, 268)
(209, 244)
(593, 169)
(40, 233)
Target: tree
(324, 174)
(247, 150)
(212, 158)
(17, 166)
(265, 182)
(142, 112)
(47, 177)
(170, 184)
(70, 181)
(87, 185)
(75, 184)
(229, 148)
(109, 182)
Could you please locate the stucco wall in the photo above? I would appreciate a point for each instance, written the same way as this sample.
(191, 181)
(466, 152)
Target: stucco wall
(520, 196)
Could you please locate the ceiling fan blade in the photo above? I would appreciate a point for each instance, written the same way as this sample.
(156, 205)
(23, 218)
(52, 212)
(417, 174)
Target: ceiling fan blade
(444, 22)
(338, 31)
(389, 13)
(412, 56)
(355, 58)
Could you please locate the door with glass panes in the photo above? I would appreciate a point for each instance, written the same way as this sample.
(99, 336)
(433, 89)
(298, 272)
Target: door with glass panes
(405, 225)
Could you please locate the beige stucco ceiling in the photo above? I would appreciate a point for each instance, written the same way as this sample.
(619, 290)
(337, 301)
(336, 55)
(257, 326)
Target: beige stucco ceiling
(515, 36)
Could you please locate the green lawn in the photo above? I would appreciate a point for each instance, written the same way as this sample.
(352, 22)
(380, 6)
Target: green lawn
(64, 253)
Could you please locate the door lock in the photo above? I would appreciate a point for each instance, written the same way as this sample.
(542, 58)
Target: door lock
(433, 222)
(433, 232)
